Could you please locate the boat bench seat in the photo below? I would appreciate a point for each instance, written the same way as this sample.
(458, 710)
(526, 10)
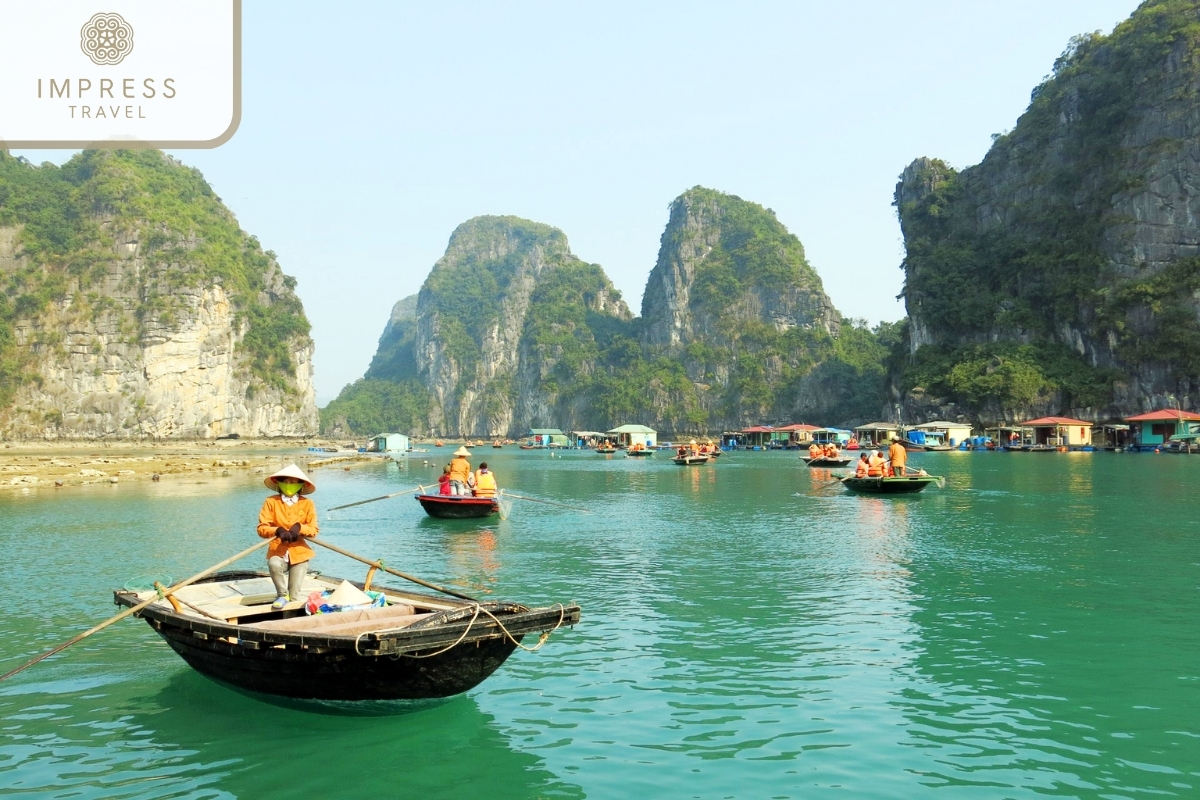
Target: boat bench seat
(369, 618)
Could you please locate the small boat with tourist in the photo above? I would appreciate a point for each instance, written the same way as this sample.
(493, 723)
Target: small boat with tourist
(690, 460)
(639, 452)
(449, 506)
(898, 484)
(402, 646)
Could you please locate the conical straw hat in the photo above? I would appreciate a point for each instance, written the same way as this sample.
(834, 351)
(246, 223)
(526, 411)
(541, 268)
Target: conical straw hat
(290, 471)
(347, 595)
(462, 451)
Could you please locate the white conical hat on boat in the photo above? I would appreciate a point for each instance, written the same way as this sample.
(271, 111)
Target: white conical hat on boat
(290, 471)
(462, 451)
(347, 595)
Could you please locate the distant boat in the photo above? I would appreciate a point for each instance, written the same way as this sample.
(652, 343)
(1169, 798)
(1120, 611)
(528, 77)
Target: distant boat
(448, 506)
(823, 461)
(639, 453)
(497, 444)
(414, 647)
(690, 460)
(606, 450)
(900, 484)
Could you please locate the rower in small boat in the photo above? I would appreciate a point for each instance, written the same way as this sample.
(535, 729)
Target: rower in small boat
(287, 518)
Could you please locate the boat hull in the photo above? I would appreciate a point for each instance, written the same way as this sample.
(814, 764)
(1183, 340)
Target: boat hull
(690, 461)
(827, 462)
(905, 484)
(639, 453)
(453, 507)
(305, 675)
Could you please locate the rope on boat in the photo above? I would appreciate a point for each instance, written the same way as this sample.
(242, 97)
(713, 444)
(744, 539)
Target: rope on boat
(479, 609)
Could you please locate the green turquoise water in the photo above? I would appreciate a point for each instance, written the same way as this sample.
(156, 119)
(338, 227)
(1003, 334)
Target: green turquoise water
(1031, 629)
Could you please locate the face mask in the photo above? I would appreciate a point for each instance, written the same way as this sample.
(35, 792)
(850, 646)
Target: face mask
(289, 489)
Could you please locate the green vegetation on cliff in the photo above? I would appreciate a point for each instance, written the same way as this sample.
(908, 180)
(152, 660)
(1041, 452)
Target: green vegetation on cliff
(754, 251)
(72, 220)
(1021, 247)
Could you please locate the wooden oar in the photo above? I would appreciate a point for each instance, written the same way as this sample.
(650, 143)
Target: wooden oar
(827, 485)
(547, 502)
(384, 497)
(390, 571)
(138, 607)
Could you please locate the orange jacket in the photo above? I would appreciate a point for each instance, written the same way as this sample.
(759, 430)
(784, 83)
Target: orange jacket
(485, 484)
(861, 470)
(460, 469)
(897, 454)
(275, 514)
(875, 466)
(814, 451)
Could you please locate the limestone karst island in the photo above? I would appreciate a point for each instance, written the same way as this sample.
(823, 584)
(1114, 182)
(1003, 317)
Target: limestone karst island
(627, 495)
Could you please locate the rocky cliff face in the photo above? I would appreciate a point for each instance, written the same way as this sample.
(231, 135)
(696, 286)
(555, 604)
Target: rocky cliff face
(733, 297)
(121, 328)
(502, 310)
(511, 331)
(1078, 232)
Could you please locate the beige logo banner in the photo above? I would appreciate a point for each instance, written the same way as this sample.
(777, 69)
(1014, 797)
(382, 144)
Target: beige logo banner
(75, 74)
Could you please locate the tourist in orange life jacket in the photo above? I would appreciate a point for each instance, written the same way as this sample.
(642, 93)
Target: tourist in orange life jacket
(898, 456)
(860, 471)
(288, 518)
(485, 481)
(875, 465)
(814, 450)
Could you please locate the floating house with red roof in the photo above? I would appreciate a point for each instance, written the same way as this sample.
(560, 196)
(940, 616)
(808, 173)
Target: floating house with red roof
(1157, 427)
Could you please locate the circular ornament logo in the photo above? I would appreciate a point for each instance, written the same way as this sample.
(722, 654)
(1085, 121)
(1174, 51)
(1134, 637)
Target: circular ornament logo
(106, 39)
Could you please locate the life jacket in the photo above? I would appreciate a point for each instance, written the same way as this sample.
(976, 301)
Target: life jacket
(861, 470)
(814, 450)
(485, 484)
(875, 466)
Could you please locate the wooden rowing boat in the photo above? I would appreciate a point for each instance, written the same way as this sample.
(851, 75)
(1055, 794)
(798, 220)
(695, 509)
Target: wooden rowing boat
(900, 484)
(690, 460)
(639, 453)
(417, 646)
(822, 461)
(449, 506)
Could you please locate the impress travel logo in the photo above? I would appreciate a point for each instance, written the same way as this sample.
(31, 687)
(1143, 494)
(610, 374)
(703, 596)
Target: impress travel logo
(71, 75)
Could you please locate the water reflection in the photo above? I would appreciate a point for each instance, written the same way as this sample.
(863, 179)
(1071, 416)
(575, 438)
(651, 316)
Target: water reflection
(185, 736)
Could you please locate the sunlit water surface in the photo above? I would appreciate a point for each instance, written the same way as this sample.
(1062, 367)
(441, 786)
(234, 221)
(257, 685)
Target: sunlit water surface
(748, 631)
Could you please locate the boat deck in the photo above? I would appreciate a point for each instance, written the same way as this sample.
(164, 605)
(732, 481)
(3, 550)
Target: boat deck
(248, 602)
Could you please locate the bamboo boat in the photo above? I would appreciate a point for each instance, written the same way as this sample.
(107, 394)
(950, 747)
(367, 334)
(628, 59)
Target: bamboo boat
(606, 451)
(417, 646)
(639, 453)
(690, 460)
(899, 484)
(449, 506)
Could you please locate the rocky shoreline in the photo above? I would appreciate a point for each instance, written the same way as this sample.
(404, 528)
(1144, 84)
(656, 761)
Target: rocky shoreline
(26, 465)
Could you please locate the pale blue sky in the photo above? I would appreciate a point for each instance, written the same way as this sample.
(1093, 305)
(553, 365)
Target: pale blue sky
(370, 130)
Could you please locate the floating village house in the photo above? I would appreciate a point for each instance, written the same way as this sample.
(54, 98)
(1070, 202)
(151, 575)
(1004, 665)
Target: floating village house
(798, 434)
(759, 436)
(548, 437)
(1157, 427)
(588, 438)
(629, 435)
(876, 433)
(388, 443)
(953, 433)
(1061, 431)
